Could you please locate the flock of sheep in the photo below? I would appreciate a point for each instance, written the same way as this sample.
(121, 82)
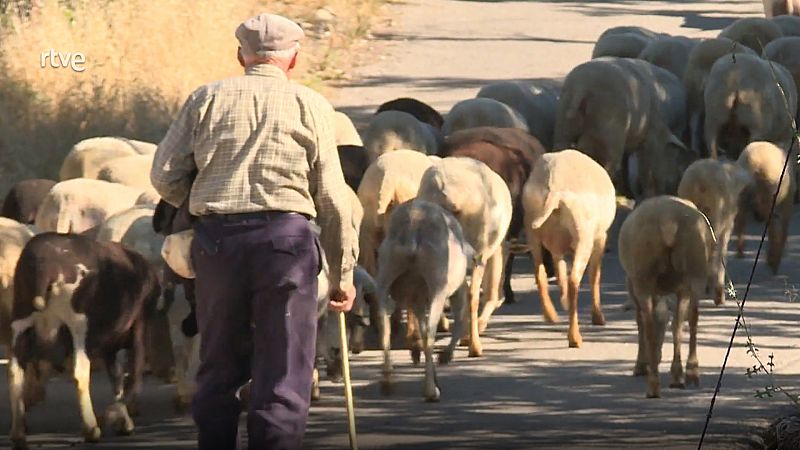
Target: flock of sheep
(696, 131)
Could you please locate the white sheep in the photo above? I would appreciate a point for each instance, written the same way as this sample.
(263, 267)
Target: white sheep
(133, 171)
(714, 187)
(701, 59)
(85, 157)
(13, 237)
(394, 130)
(790, 25)
(778, 8)
(134, 228)
(753, 32)
(764, 162)
(536, 101)
(743, 104)
(670, 53)
(480, 200)
(482, 112)
(142, 147)
(423, 262)
(346, 133)
(76, 205)
(612, 108)
(568, 214)
(623, 42)
(665, 248)
(786, 52)
(392, 179)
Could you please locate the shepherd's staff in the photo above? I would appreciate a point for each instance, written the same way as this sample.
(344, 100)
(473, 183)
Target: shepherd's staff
(348, 389)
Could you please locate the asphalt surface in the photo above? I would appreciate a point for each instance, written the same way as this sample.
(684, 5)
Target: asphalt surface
(529, 390)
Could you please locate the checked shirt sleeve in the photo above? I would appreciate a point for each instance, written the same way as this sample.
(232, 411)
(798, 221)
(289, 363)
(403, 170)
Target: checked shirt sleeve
(333, 202)
(173, 161)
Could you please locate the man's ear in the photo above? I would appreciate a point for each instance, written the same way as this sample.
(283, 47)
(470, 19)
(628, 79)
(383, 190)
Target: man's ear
(239, 56)
(294, 60)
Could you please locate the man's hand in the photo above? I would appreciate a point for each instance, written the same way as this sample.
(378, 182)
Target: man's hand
(342, 300)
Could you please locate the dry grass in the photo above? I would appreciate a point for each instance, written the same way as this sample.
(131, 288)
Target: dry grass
(143, 58)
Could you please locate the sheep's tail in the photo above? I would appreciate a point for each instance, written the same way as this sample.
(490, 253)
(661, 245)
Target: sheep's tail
(551, 201)
(570, 117)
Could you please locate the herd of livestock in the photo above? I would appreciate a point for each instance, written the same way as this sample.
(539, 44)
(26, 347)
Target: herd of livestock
(696, 131)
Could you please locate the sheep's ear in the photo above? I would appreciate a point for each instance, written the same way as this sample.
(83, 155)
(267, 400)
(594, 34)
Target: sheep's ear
(684, 154)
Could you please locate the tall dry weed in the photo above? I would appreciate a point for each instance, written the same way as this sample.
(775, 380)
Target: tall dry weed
(143, 58)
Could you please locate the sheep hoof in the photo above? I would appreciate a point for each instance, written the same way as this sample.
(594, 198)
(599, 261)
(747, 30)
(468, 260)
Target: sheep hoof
(551, 317)
(575, 341)
(640, 369)
(482, 324)
(434, 396)
(476, 351)
(655, 394)
(415, 356)
(445, 357)
(92, 434)
(315, 394)
(677, 385)
(464, 342)
(693, 380)
(117, 417)
(598, 319)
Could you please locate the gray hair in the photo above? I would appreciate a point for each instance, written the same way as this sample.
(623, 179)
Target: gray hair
(272, 55)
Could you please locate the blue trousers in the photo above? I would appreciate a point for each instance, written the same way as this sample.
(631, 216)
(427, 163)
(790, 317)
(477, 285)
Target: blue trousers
(256, 292)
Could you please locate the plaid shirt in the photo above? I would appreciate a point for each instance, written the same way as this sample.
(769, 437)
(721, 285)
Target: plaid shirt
(260, 143)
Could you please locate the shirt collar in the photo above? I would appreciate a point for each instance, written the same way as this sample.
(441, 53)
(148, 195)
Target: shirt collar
(266, 70)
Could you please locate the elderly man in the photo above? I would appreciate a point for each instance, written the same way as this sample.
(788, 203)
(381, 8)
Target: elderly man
(266, 162)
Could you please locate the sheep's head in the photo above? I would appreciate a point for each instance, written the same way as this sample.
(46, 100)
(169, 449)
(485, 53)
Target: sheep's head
(668, 163)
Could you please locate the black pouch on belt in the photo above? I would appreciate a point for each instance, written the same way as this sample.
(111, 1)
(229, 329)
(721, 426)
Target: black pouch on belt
(210, 246)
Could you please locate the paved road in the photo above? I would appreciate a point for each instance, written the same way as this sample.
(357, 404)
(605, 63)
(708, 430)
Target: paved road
(529, 390)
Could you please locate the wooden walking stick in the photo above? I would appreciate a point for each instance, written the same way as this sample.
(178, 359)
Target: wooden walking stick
(348, 388)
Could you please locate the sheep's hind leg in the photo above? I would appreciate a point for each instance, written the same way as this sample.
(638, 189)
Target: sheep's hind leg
(116, 415)
(692, 369)
(548, 311)
(676, 370)
(492, 284)
(595, 265)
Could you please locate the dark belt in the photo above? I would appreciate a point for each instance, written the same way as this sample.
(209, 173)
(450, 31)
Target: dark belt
(263, 215)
